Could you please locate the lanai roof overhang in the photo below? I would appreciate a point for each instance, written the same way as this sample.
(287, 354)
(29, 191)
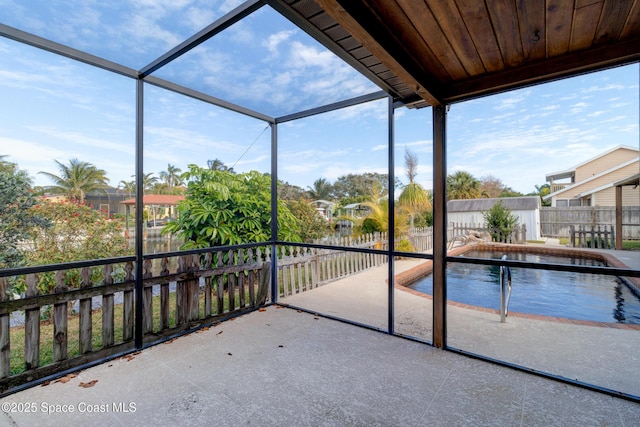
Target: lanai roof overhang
(427, 52)
(437, 52)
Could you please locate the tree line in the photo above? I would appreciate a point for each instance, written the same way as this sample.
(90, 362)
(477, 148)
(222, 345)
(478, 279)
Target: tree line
(221, 207)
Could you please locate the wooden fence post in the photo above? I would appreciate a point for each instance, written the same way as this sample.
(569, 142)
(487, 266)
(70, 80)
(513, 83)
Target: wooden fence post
(5, 345)
(314, 268)
(264, 283)
(60, 320)
(251, 278)
(231, 290)
(572, 235)
(194, 289)
(128, 311)
(241, 280)
(220, 286)
(107, 310)
(613, 238)
(207, 285)
(147, 298)
(165, 307)
(292, 273)
(86, 326)
(31, 327)
(181, 293)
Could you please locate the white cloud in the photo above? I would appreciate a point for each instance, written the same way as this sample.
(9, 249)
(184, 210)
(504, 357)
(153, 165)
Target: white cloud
(229, 5)
(80, 138)
(511, 102)
(603, 88)
(275, 40)
(200, 17)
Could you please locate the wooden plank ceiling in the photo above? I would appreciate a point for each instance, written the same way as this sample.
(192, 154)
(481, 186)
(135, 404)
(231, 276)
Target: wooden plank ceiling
(434, 52)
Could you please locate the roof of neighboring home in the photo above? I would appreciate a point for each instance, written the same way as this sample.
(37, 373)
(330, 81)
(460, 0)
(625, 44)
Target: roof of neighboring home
(352, 206)
(596, 176)
(479, 205)
(322, 202)
(628, 181)
(632, 180)
(156, 199)
(568, 173)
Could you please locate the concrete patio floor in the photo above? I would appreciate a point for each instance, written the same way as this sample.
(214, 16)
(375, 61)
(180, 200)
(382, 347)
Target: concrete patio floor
(603, 356)
(288, 368)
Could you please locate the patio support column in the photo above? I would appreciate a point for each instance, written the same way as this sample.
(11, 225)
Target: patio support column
(274, 212)
(391, 233)
(138, 334)
(439, 227)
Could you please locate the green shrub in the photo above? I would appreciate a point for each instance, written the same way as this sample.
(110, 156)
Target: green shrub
(500, 221)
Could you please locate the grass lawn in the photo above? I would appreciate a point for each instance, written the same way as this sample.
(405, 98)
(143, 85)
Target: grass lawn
(631, 245)
(627, 245)
(17, 334)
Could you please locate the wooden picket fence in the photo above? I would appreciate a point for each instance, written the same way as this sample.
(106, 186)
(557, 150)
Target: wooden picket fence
(592, 237)
(460, 230)
(88, 314)
(195, 290)
(303, 269)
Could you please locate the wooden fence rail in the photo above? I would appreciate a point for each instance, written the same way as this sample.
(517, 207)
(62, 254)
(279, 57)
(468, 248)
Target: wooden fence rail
(592, 237)
(76, 316)
(517, 236)
(195, 290)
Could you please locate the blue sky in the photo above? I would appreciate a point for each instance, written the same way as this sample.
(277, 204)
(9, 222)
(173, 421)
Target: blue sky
(56, 109)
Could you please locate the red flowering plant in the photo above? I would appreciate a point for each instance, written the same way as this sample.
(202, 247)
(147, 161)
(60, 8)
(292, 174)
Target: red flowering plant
(77, 233)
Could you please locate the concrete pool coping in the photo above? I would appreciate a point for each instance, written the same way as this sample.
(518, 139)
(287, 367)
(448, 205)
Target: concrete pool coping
(406, 277)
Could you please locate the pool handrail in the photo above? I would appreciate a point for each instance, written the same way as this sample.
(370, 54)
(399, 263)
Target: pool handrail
(505, 290)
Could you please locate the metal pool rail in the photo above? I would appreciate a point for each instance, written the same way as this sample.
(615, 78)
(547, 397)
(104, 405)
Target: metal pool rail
(505, 290)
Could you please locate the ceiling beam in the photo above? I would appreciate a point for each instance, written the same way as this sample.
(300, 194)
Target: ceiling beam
(558, 67)
(368, 30)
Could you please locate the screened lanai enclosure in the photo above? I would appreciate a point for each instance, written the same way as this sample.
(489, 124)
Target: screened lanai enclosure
(280, 96)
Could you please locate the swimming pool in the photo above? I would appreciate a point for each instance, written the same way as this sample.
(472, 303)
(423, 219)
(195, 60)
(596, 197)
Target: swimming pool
(549, 293)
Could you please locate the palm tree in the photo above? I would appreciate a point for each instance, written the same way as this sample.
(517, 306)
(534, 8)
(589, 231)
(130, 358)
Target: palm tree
(161, 188)
(463, 185)
(148, 182)
(77, 179)
(171, 177)
(377, 219)
(6, 166)
(218, 165)
(414, 198)
(127, 187)
(321, 189)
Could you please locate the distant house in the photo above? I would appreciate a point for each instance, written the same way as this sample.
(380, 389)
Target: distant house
(324, 208)
(107, 201)
(470, 211)
(161, 206)
(592, 183)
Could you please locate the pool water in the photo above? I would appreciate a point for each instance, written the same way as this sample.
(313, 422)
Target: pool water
(548, 293)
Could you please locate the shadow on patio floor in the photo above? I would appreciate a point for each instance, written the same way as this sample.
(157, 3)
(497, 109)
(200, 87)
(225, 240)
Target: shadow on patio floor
(287, 368)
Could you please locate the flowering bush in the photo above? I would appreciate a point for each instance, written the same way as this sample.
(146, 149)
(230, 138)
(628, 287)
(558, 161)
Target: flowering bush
(77, 233)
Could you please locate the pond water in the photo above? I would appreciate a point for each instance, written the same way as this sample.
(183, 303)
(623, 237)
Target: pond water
(549, 293)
